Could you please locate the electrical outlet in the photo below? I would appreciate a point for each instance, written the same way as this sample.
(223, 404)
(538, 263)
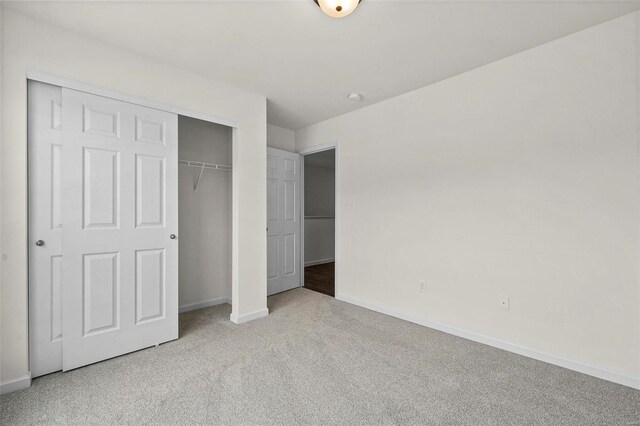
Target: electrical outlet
(350, 205)
(503, 301)
(422, 286)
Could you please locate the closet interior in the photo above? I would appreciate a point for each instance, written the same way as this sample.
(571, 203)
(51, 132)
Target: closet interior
(204, 191)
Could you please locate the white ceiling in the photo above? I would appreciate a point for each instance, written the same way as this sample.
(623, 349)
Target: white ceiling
(306, 63)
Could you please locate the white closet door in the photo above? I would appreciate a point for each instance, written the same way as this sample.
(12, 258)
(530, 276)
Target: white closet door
(119, 208)
(45, 228)
(283, 220)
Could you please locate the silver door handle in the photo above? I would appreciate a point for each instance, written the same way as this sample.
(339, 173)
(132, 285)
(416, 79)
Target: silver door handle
(40, 243)
(172, 236)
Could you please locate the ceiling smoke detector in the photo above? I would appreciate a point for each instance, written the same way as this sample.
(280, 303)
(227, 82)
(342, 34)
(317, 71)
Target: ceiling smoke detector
(337, 8)
(355, 97)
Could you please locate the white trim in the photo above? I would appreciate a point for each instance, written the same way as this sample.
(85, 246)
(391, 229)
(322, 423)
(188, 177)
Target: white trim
(601, 373)
(16, 384)
(318, 148)
(302, 219)
(318, 262)
(337, 221)
(95, 90)
(281, 151)
(204, 304)
(241, 319)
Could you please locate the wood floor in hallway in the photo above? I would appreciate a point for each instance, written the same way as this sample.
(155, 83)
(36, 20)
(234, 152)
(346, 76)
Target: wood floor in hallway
(321, 278)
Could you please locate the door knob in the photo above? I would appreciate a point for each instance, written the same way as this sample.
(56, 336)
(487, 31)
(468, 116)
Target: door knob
(40, 243)
(172, 236)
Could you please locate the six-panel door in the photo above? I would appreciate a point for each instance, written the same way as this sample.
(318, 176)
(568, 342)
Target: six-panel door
(283, 220)
(119, 208)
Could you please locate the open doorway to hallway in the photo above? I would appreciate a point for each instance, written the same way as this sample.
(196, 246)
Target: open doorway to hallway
(319, 221)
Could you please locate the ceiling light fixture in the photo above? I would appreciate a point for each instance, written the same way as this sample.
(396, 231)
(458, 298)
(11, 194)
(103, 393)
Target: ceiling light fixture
(337, 8)
(355, 97)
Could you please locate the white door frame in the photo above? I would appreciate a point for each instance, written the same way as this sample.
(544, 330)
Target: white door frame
(96, 90)
(304, 152)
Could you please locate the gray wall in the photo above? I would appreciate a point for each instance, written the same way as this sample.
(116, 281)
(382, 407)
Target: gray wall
(205, 215)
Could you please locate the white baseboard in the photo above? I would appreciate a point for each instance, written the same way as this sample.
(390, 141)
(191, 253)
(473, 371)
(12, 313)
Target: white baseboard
(240, 319)
(204, 304)
(318, 262)
(16, 384)
(601, 373)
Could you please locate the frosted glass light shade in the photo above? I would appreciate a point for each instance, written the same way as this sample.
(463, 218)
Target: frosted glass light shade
(337, 8)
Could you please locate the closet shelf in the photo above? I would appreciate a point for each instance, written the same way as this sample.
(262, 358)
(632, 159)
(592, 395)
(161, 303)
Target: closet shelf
(202, 166)
(319, 217)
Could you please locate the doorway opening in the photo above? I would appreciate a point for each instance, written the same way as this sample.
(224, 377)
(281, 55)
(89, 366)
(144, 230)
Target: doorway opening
(319, 221)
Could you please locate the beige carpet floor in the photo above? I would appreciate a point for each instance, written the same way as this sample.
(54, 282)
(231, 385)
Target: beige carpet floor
(315, 360)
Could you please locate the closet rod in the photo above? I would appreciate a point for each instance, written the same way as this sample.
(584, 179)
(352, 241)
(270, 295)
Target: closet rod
(202, 166)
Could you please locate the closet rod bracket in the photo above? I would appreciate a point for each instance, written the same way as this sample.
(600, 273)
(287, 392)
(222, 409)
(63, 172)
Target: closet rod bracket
(198, 180)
